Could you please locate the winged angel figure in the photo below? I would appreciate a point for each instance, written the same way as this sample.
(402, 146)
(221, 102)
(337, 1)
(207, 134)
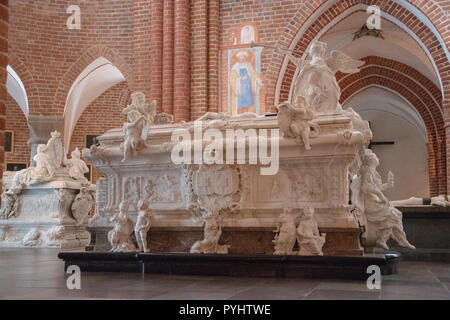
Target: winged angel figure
(140, 116)
(316, 80)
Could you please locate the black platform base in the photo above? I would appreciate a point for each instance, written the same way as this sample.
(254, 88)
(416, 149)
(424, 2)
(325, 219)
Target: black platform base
(334, 267)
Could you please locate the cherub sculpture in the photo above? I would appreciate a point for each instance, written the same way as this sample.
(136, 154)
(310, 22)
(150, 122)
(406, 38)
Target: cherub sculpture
(295, 121)
(77, 167)
(82, 205)
(140, 116)
(133, 130)
(212, 232)
(147, 110)
(285, 233)
(381, 219)
(142, 225)
(310, 240)
(316, 80)
(119, 237)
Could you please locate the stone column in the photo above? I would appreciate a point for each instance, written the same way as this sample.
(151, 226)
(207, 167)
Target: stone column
(168, 49)
(156, 44)
(40, 129)
(213, 54)
(182, 75)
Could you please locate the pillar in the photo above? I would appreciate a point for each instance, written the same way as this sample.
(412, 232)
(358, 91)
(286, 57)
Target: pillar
(181, 81)
(168, 47)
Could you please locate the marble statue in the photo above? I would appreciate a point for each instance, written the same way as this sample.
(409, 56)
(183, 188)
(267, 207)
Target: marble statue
(295, 121)
(82, 205)
(316, 80)
(285, 234)
(140, 116)
(48, 160)
(36, 208)
(119, 236)
(381, 219)
(231, 197)
(77, 167)
(138, 104)
(438, 201)
(212, 232)
(135, 135)
(142, 225)
(310, 240)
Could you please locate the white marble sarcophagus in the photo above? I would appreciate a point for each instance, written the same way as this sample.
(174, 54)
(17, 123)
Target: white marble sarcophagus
(248, 202)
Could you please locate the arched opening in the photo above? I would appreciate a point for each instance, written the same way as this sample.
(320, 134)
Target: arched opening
(16, 89)
(394, 120)
(94, 80)
(409, 67)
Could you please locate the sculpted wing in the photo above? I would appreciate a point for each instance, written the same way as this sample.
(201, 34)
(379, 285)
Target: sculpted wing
(339, 61)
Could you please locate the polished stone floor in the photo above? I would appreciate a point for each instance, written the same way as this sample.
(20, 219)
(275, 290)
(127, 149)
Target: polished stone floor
(39, 274)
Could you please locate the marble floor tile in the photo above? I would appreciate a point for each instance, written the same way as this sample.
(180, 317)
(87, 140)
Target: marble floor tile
(39, 274)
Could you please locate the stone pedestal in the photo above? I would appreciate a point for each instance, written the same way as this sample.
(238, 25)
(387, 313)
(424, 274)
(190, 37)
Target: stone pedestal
(44, 217)
(317, 178)
(40, 129)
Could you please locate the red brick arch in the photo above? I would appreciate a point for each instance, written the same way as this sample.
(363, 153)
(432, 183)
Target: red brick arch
(429, 8)
(28, 81)
(420, 93)
(78, 66)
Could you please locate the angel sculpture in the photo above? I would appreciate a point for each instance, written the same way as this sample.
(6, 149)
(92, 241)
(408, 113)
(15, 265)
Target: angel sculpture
(140, 116)
(316, 80)
(77, 167)
(147, 110)
(133, 130)
(295, 121)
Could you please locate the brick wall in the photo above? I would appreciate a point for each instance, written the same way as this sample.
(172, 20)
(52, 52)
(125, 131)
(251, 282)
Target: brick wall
(101, 115)
(17, 122)
(41, 40)
(172, 50)
(4, 17)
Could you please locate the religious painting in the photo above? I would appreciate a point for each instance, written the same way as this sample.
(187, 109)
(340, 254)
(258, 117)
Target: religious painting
(90, 139)
(244, 81)
(9, 141)
(16, 166)
(247, 34)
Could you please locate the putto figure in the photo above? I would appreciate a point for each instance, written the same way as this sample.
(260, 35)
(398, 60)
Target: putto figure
(295, 121)
(119, 237)
(285, 234)
(140, 116)
(316, 80)
(212, 232)
(77, 167)
(381, 219)
(310, 240)
(142, 225)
